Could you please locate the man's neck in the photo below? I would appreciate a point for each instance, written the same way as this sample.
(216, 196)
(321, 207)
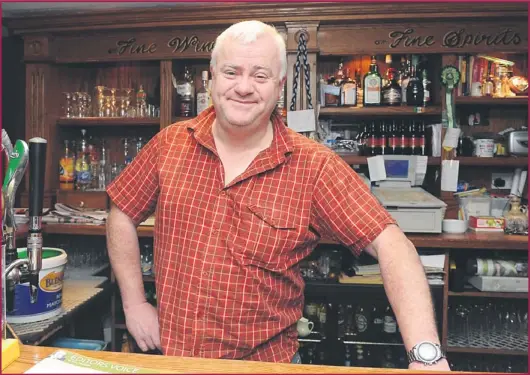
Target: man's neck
(241, 139)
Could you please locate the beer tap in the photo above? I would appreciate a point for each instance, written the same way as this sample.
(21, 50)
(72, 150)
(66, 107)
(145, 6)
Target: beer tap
(37, 164)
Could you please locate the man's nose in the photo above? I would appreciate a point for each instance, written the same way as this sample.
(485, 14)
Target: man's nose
(244, 86)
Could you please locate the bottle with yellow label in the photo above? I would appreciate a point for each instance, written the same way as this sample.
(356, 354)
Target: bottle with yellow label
(66, 169)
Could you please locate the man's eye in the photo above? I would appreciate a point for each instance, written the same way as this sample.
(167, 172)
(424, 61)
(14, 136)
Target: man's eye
(230, 73)
(261, 77)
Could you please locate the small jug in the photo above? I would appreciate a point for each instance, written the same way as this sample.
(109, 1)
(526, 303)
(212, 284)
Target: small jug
(304, 327)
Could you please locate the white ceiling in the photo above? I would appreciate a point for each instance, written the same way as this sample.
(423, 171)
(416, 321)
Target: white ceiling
(17, 9)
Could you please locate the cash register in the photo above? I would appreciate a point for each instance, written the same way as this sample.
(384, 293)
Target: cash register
(396, 179)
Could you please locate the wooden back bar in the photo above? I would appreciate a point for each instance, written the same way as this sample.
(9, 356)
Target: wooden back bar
(32, 354)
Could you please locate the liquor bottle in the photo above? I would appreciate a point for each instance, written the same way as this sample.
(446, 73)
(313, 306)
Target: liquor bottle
(104, 167)
(392, 91)
(347, 356)
(359, 360)
(414, 139)
(185, 92)
(421, 137)
(361, 322)
(383, 140)
(427, 100)
(378, 147)
(82, 164)
(404, 78)
(415, 91)
(389, 326)
(348, 91)
(141, 102)
(67, 169)
(403, 140)
(408, 140)
(487, 83)
(376, 330)
(203, 94)
(373, 140)
(360, 91)
(393, 138)
(372, 85)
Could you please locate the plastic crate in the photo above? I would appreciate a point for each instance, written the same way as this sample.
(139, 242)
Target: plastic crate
(70, 343)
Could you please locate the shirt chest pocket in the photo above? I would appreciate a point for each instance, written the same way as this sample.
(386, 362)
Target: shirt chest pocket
(264, 237)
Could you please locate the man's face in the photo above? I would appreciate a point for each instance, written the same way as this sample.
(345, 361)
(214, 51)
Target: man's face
(245, 82)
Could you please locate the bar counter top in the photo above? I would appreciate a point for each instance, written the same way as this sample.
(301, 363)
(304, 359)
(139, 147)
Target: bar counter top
(468, 240)
(30, 355)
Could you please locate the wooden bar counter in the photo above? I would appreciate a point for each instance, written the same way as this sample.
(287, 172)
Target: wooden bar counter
(30, 355)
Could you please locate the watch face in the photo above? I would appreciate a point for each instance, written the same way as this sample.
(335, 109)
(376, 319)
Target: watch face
(427, 351)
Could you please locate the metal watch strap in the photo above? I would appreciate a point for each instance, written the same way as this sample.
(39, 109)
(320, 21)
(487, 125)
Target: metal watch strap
(412, 357)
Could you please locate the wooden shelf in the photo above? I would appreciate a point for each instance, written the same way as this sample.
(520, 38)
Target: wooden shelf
(361, 160)
(456, 349)
(468, 240)
(107, 121)
(88, 229)
(482, 100)
(489, 294)
(379, 111)
(513, 161)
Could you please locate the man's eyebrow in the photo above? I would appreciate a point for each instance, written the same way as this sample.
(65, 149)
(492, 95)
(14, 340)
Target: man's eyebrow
(258, 67)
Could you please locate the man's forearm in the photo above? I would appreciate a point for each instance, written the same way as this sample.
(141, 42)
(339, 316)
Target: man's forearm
(407, 288)
(124, 255)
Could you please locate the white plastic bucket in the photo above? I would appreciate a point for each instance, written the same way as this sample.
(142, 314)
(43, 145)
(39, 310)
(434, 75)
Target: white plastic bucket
(484, 148)
(50, 291)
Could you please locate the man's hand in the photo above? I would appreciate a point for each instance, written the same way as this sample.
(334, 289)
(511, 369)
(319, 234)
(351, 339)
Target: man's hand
(441, 365)
(142, 323)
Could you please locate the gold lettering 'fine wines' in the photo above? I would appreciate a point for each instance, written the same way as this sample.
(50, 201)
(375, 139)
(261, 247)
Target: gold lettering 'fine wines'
(372, 85)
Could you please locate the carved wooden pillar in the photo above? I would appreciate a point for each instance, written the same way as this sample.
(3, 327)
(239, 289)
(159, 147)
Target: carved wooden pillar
(293, 31)
(42, 110)
(166, 92)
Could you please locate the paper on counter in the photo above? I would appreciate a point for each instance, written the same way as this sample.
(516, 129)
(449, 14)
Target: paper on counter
(376, 168)
(433, 261)
(451, 138)
(436, 140)
(421, 170)
(450, 175)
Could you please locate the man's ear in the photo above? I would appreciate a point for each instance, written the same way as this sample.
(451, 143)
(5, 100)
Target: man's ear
(212, 71)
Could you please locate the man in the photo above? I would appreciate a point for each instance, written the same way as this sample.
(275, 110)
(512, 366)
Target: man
(240, 199)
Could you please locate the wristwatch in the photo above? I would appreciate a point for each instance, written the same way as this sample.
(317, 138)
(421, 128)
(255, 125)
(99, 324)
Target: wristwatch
(425, 352)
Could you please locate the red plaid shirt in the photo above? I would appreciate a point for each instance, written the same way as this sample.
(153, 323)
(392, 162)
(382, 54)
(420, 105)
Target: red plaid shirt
(226, 257)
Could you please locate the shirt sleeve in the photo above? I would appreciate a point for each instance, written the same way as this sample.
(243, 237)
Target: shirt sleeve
(135, 191)
(344, 209)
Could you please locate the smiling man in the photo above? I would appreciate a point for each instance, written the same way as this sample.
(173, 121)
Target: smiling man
(240, 200)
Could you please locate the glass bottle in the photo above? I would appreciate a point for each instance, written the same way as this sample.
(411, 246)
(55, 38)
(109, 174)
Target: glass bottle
(389, 326)
(141, 102)
(404, 78)
(82, 165)
(67, 169)
(372, 85)
(392, 91)
(427, 100)
(415, 91)
(203, 94)
(349, 91)
(185, 92)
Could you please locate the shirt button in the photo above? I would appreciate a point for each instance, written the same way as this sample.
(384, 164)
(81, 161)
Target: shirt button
(215, 231)
(206, 274)
(222, 193)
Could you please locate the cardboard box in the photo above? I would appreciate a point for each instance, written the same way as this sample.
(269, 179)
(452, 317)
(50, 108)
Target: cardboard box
(486, 224)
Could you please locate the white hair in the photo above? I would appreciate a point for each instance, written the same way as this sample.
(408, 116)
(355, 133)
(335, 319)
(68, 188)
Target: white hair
(248, 32)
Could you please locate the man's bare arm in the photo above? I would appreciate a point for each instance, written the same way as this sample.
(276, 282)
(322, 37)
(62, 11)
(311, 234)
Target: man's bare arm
(406, 287)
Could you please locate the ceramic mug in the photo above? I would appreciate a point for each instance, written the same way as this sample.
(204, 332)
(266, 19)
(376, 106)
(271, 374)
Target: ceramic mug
(304, 327)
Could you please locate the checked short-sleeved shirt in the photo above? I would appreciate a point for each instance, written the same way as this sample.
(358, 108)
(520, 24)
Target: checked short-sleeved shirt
(226, 257)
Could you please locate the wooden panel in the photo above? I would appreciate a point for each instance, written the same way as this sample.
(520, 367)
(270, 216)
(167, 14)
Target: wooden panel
(137, 45)
(41, 115)
(489, 295)
(479, 100)
(166, 92)
(30, 355)
(494, 162)
(106, 121)
(434, 37)
(228, 13)
(83, 199)
(380, 111)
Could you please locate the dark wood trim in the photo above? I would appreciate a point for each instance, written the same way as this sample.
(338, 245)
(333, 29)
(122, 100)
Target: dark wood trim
(379, 111)
(481, 100)
(456, 349)
(493, 162)
(480, 294)
(225, 14)
(107, 121)
(361, 160)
